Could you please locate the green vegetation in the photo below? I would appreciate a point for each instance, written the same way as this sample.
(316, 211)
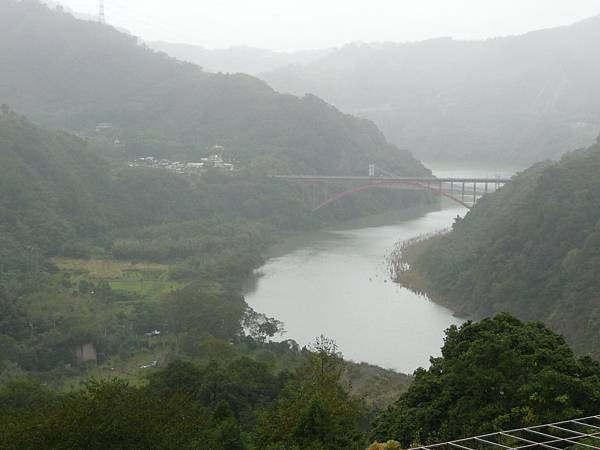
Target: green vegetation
(499, 373)
(52, 194)
(243, 404)
(314, 411)
(530, 249)
(110, 275)
(98, 257)
(496, 374)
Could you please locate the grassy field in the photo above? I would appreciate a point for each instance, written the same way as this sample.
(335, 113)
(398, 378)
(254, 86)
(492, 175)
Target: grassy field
(143, 279)
(108, 268)
(145, 282)
(130, 370)
(145, 288)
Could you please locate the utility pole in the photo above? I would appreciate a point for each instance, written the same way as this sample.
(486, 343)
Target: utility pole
(101, 11)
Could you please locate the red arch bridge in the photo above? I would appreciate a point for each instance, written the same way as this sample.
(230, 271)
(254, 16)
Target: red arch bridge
(320, 191)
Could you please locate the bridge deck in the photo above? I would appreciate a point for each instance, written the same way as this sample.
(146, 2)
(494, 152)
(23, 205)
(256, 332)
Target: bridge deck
(373, 179)
(464, 191)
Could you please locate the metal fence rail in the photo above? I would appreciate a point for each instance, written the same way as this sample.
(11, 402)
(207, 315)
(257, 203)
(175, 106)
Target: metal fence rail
(576, 434)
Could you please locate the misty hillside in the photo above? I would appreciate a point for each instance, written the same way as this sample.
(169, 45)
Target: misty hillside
(249, 60)
(515, 99)
(531, 249)
(57, 197)
(72, 74)
(52, 190)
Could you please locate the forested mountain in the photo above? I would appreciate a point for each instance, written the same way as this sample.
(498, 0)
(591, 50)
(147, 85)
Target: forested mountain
(71, 74)
(513, 99)
(532, 249)
(248, 60)
(58, 198)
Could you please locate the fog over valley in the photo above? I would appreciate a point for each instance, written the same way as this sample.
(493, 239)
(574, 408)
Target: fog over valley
(281, 225)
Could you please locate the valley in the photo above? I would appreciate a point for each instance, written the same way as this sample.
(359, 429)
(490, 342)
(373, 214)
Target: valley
(194, 258)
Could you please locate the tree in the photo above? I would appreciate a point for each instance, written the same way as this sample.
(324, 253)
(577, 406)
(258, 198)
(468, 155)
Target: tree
(498, 373)
(13, 320)
(179, 377)
(226, 430)
(260, 327)
(105, 415)
(314, 411)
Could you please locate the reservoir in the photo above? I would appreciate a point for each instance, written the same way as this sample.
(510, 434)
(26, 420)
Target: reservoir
(337, 283)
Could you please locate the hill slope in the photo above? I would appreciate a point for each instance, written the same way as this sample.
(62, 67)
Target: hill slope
(531, 249)
(58, 198)
(51, 189)
(72, 74)
(524, 98)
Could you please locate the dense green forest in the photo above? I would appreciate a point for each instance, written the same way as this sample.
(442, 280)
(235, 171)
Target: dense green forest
(493, 374)
(71, 74)
(530, 249)
(242, 404)
(512, 100)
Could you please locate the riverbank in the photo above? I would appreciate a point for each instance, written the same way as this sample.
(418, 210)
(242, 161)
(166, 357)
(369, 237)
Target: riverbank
(405, 252)
(404, 272)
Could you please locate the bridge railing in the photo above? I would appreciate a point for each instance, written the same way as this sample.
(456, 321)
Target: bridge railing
(465, 191)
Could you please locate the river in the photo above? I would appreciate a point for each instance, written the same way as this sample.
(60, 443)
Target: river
(337, 283)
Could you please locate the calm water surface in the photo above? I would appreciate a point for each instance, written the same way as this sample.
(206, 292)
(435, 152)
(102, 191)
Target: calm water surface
(337, 283)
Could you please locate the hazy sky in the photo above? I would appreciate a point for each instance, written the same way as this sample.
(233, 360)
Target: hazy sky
(306, 24)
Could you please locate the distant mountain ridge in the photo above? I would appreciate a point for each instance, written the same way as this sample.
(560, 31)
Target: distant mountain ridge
(512, 99)
(72, 74)
(240, 59)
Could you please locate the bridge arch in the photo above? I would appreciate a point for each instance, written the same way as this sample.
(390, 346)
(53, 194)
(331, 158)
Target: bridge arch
(387, 183)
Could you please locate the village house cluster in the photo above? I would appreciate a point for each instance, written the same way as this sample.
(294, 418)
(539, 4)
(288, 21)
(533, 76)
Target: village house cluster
(214, 161)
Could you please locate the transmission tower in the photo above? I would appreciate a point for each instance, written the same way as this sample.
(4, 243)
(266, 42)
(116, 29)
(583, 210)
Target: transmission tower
(101, 11)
